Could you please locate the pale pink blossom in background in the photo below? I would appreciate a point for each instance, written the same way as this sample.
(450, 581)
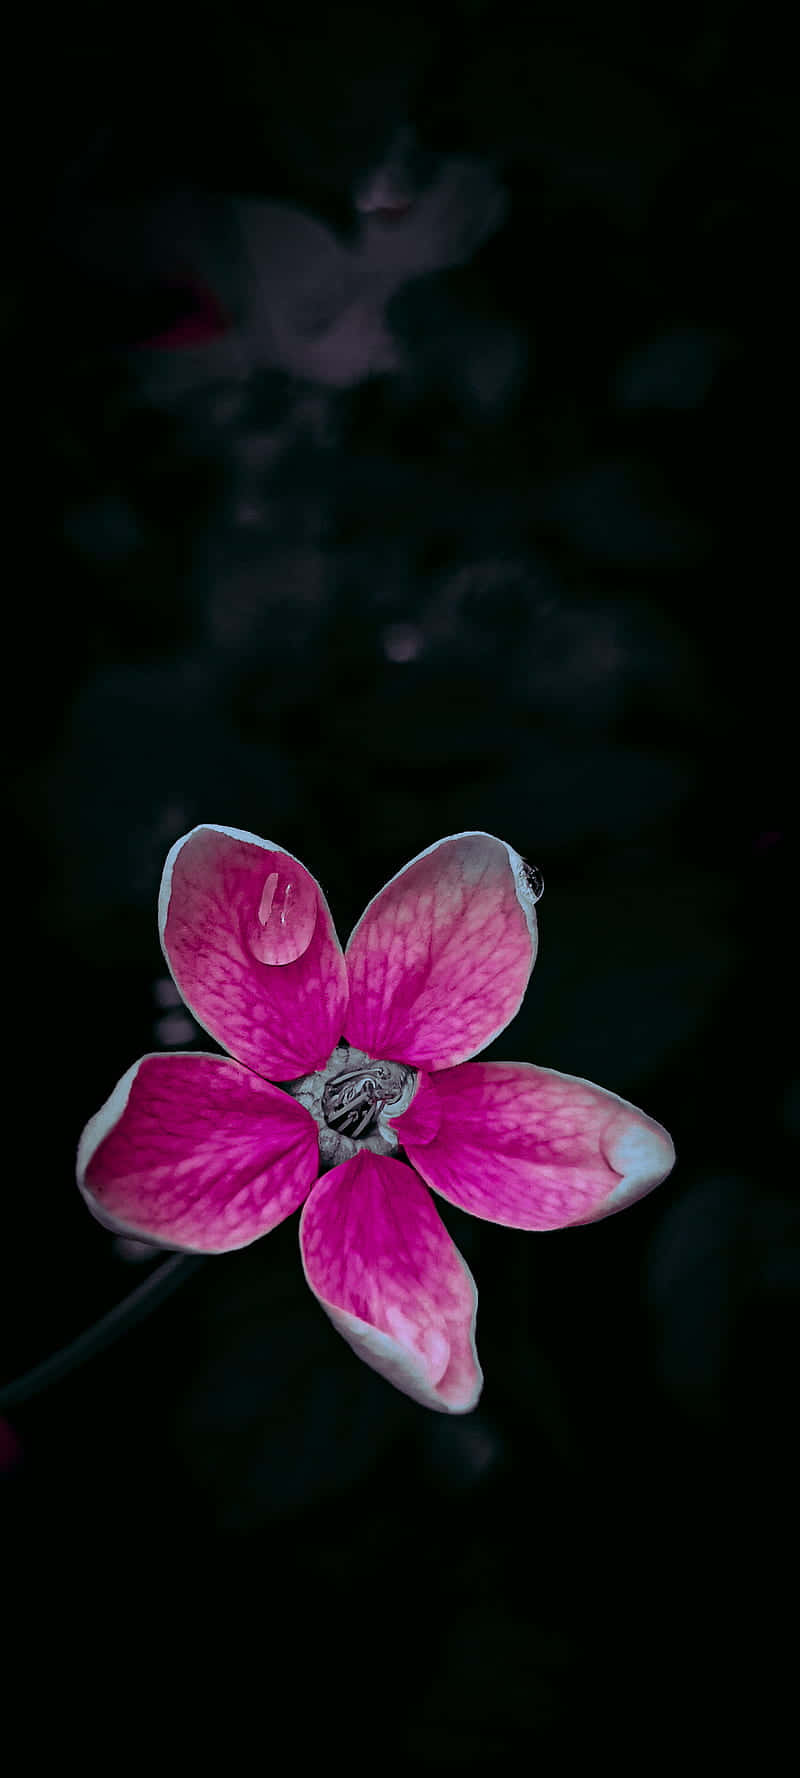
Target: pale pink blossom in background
(260, 284)
(349, 1090)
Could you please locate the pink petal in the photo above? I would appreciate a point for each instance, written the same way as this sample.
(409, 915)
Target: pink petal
(440, 961)
(249, 939)
(194, 1151)
(534, 1149)
(385, 1270)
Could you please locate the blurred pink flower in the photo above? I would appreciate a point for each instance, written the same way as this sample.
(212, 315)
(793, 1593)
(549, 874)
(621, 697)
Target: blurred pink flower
(370, 1047)
(10, 1448)
(201, 317)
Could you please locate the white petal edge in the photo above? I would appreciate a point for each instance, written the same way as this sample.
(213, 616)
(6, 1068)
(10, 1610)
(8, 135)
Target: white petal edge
(390, 1359)
(644, 1154)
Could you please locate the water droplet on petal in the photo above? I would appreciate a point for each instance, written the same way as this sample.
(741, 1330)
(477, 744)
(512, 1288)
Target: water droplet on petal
(286, 914)
(534, 879)
(267, 897)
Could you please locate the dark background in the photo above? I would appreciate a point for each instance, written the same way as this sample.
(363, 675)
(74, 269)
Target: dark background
(533, 581)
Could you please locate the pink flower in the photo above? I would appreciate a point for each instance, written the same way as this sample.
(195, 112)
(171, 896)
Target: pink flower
(377, 1098)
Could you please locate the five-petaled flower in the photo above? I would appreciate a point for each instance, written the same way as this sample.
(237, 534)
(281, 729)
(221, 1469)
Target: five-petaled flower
(376, 1098)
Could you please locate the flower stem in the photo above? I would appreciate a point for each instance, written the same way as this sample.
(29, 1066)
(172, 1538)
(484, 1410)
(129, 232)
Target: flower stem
(102, 1333)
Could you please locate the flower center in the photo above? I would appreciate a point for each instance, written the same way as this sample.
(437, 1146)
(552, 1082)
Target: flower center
(347, 1100)
(353, 1100)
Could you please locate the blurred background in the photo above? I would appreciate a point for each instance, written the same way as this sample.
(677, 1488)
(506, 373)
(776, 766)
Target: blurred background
(393, 440)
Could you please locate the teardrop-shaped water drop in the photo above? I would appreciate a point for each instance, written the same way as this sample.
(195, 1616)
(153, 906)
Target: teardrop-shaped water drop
(534, 879)
(286, 914)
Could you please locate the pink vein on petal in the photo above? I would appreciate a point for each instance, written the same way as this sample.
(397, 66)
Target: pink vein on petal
(384, 1268)
(534, 1149)
(195, 1151)
(250, 942)
(439, 962)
